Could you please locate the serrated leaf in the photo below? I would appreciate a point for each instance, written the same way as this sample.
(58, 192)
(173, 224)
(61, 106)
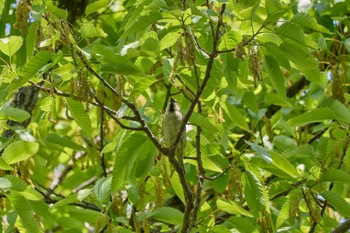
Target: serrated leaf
(236, 116)
(4, 166)
(30, 194)
(142, 22)
(260, 151)
(231, 208)
(79, 114)
(307, 20)
(315, 115)
(336, 176)
(298, 56)
(89, 30)
(272, 6)
(25, 212)
(18, 151)
(130, 149)
(199, 120)
(169, 40)
(168, 215)
(275, 75)
(283, 215)
(253, 191)
(30, 69)
(102, 190)
(283, 164)
(230, 65)
(5, 184)
(241, 224)
(64, 141)
(115, 64)
(208, 164)
(340, 111)
(177, 187)
(58, 12)
(338, 202)
(10, 45)
(72, 198)
(95, 6)
(15, 114)
(292, 32)
(141, 85)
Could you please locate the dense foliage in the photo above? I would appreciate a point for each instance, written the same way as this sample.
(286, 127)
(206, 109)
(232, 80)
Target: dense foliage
(263, 87)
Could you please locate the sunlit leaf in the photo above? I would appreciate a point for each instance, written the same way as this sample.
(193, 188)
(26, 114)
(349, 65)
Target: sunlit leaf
(10, 45)
(275, 75)
(316, 115)
(18, 151)
(232, 208)
(15, 114)
(95, 6)
(338, 202)
(25, 212)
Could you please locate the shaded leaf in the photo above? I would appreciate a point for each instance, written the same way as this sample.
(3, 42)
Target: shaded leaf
(275, 75)
(79, 114)
(168, 215)
(102, 190)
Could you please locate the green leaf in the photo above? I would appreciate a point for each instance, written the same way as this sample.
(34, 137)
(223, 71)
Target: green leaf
(102, 190)
(2, 3)
(339, 203)
(232, 208)
(340, 111)
(141, 85)
(283, 215)
(176, 184)
(95, 6)
(18, 151)
(283, 164)
(14, 114)
(72, 198)
(10, 45)
(199, 120)
(25, 212)
(142, 22)
(58, 12)
(275, 75)
(260, 151)
(291, 32)
(336, 176)
(89, 30)
(114, 63)
(131, 148)
(4, 165)
(230, 65)
(79, 114)
(30, 69)
(5, 185)
(168, 215)
(298, 56)
(309, 22)
(272, 6)
(30, 194)
(241, 224)
(253, 191)
(315, 115)
(236, 116)
(64, 141)
(169, 40)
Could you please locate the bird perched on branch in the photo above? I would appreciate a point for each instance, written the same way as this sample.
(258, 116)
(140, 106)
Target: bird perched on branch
(171, 126)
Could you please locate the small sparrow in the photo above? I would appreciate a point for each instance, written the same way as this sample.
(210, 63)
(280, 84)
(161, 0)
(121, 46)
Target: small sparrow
(172, 124)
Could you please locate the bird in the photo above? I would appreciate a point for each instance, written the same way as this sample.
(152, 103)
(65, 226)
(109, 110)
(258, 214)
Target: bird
(171, 126)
